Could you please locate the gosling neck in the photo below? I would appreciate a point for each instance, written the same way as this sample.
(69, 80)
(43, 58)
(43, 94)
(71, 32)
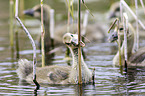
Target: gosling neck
(86, 73)
(130, 44)
(74, 52)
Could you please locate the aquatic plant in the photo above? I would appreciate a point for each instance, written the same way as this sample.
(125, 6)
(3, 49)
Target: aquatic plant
(125, 27)
(33, 45)
(42, 35)
(70, 11)
(52, 27)
(132, 58)
(138, 21)
(124, 19)
(118, 42)
(11, 23)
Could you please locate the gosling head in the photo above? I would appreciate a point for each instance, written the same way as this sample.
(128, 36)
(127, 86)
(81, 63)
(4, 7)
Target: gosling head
(114, 34)
(36, 12)
(71, 40)
(114, 10)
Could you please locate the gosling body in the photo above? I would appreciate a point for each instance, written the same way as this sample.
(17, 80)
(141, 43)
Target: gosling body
(57, 74)
(134, 58)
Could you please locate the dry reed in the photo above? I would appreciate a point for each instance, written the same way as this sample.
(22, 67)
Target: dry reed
(33, 45)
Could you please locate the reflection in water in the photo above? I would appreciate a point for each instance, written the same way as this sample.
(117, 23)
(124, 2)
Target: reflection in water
(17, 45)
(130, 82)
(12, 55)
(109, 80)
(79, 90)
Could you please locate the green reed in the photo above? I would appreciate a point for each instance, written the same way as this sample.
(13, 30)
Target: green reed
(42, 35)
(79, 41)
(11, 24)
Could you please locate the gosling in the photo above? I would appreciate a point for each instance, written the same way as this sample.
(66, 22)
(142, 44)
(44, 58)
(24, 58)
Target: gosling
(58, 74)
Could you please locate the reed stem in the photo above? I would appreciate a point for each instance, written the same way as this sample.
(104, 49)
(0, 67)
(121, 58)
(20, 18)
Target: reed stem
(118, 42)
(125, 27)
(21, 9)
(69, 5)
(142, 4)
(33, 45)
(112, 25)
(68, 30)
(85, 22)
(119, 45)
(68, 21)
(137, 29)
(11, 24)
(42, 36)
(93, 76)
(121, 12)
(79, 40)
(132, 13)
(52, 27)
(17, 44)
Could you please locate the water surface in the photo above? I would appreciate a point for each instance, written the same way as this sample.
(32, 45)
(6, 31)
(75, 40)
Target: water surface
(109, 80)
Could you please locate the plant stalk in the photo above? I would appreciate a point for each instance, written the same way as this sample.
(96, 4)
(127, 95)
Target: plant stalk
(52, 27)
(132, 13)
(11, 24)
(119, 42)
(142, 4)
(21, 9)
(79, 39)
(42, 36)
(33, 45)
(137, 29)
(17, 44)
(125, 27)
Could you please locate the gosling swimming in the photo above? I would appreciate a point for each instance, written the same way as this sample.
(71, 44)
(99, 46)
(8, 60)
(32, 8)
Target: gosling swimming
(135, 58)
(57, 74)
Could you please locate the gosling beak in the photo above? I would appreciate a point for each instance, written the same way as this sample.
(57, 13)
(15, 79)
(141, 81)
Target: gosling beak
(113, 37)
(72, 39)
(29, 12)
(67, 38)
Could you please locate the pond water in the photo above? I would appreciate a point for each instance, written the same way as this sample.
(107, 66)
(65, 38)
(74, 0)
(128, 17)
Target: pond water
(109, 80)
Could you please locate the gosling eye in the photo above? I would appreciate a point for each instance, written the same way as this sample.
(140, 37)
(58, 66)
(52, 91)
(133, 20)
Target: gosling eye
(38, 10)
(121, 29)
(117, 9)
(67, 43)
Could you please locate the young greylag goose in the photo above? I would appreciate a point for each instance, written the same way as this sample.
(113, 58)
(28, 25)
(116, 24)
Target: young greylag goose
(134, 59)
(36, 12)
(114, 10)
(94, 32)
(57, 74)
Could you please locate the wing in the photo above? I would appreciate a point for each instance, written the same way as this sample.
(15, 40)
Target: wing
(138, 57)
